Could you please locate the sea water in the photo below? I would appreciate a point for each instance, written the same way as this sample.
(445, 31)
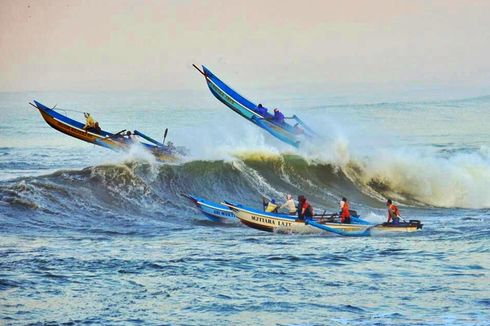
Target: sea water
(91, 236)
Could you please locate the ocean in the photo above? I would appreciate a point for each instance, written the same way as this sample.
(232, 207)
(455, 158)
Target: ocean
(91, 236)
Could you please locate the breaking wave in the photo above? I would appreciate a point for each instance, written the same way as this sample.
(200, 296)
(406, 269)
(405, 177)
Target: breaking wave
(134, 188)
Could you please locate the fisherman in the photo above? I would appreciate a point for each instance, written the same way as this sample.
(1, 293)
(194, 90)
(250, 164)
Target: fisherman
(289, 205)
(130, 137)
(90, 123)
(278, 116)
(344, 211)
(170, 146)
(261, 110)
(97, 128)
(393, 212)
(271, 206)
(305, 210)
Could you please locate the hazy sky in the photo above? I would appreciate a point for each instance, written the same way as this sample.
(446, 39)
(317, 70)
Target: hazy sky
(125, 45)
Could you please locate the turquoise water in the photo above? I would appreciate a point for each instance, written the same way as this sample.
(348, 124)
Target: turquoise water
(93, 236)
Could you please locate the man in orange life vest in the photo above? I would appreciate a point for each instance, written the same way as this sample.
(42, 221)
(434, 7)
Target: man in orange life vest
(344, 211)
(393, 212)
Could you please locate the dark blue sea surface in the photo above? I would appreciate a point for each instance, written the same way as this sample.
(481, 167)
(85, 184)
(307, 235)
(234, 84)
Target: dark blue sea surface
(90, 236)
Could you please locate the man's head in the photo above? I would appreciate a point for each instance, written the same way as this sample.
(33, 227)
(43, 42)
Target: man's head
(389, 202)
(275, 110)
(260, 105)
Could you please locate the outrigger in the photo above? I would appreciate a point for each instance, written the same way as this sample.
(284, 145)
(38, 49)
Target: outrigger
(291, 134)
(116, 141)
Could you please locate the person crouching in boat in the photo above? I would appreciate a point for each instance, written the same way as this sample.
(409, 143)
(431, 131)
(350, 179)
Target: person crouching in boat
(305, 210)
(91, 124)
(393, 212)
(278, 117)
(271, 206)
(261, 110)
(131, 137)
(289, 205)
(344, 211)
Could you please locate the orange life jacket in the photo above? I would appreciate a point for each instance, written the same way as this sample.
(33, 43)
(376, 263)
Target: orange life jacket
(393, 211)
(344, 214)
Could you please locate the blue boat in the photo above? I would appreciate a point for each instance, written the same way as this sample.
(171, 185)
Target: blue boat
(292, 134)
(212, 210)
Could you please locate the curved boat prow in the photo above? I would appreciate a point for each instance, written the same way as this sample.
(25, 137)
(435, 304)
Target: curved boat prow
(212, 210)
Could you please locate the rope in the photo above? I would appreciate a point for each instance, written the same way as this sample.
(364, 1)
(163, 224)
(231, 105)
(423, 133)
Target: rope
(66, 110)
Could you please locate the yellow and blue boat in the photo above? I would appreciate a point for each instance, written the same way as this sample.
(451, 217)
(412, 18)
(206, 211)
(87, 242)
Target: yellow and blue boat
(291, 134)
(104, 138)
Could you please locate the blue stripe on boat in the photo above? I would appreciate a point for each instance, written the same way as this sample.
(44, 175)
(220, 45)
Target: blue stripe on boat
(212, 210)
(230, 91)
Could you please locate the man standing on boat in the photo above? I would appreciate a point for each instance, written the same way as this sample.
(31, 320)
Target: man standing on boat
(344, 211)
(289, 205)
(305, 210)
(393, 212)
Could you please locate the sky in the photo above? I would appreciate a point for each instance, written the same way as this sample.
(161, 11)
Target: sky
(86, 45)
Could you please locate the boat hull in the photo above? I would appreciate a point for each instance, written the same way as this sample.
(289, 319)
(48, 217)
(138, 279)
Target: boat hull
(283, 223)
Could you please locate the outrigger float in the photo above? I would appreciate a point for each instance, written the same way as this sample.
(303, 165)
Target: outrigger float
(291, 134)
(283, 223)
(106, 139)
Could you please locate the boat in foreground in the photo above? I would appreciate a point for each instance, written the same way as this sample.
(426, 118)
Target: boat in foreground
(103, 138)
(291, 134)
(283, 223)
